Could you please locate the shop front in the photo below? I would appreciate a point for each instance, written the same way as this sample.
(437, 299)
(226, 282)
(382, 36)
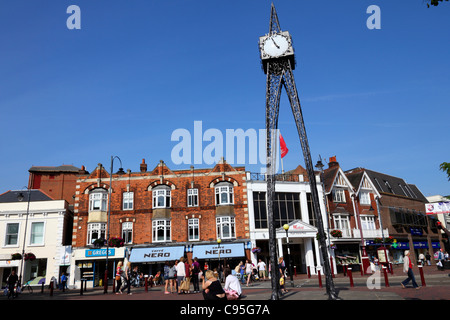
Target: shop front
(90, 265)
(228, 254)
(150, 260)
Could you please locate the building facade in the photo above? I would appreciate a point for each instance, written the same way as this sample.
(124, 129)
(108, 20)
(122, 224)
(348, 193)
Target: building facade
(32, 222)
(292, 206)
(161, 215)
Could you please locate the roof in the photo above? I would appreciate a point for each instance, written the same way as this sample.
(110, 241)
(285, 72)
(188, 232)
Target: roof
(62, 168)
(394, 185)
(12, 196)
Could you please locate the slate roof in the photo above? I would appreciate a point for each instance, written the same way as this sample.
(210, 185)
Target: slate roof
(62, 168)
(35, 195)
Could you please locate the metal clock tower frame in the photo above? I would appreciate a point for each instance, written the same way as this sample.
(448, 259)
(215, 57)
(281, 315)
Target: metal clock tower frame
(279, 74)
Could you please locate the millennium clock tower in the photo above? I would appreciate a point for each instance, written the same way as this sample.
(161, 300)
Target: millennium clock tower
(278, 61)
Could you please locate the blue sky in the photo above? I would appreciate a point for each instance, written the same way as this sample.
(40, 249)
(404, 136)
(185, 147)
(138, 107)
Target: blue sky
(138, 70)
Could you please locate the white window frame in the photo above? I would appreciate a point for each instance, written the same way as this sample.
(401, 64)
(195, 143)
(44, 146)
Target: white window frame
(128, 201)
(194, 226)
(16, 244)
(364, 197)
(192, 198)
(339, 195)
(98, 227)
(127, 232)
(162, 197)
(34, 236)
(341, 222)
(100, 197)
(368, 222)
(224, 194)
(165, 226)
(225, 222)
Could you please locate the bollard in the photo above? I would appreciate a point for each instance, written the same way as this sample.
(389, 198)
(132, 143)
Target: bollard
(51, 288)
(351, 277)
(386, 281)
(42, 287)
(309, 272)
(361, 269)
(295, 271)
(422, 277)
(146, 283)
(391, 267)
(320, 278)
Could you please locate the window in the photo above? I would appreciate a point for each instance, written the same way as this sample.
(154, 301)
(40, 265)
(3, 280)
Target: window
(97, 200)
(338, 195)
(259, 209)
(96, 231)
(224, 193)
(161, 230)
(127, 232)
(286, 208)
(128, 198)
(364, 197)
(368, 222)
(161, 197)
(225, 228)
(37, 233)
(194, 229)
(12, 234)
(341, 222)
(192, 198)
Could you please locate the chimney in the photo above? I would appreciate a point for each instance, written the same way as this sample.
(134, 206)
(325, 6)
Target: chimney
(333, 162)
(143, 166)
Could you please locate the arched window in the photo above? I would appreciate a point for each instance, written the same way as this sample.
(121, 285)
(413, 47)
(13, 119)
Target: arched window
(224, 193)
(161, 197)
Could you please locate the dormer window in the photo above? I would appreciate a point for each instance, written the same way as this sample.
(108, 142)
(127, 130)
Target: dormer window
(98, 199)
(339, 195)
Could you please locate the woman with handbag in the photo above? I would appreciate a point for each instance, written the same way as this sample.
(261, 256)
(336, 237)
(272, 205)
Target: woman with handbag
(118, 278)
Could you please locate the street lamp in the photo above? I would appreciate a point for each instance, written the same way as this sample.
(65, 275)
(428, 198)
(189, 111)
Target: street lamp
(105, 286)
(286, 228)
(20, 197)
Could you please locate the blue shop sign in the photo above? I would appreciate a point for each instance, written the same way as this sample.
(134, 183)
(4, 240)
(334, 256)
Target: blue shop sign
(99, 253)
(416, 231)
(436, 245)
(420, 244)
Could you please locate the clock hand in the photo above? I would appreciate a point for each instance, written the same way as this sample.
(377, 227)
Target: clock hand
(275, 43)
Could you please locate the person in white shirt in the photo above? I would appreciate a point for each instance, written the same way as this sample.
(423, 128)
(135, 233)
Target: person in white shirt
(181, 273)
(262, 269)
(231, 282)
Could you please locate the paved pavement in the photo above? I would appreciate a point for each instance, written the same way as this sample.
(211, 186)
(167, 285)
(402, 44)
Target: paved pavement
(368, 287)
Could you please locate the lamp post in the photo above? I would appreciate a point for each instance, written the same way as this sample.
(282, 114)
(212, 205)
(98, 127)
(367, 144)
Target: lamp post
(286, 228)
(105, 286)
(20, 197)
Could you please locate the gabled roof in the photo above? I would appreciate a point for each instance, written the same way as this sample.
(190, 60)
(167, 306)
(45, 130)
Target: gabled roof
(35, 195)
(331, 175)
(357, 179)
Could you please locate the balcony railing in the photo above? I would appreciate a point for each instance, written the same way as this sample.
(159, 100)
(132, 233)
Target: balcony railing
(356, 234)
(278, 177)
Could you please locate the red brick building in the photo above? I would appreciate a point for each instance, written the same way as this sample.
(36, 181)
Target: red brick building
(162, 215)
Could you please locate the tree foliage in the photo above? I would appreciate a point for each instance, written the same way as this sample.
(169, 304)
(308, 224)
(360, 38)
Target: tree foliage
(434, 2)
(445, 166)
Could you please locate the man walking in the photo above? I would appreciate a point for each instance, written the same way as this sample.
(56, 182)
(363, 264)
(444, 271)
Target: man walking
(262, 269)
(407, 268)
(11, 282)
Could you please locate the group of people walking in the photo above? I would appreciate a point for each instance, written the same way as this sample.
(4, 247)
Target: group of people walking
(123, 278)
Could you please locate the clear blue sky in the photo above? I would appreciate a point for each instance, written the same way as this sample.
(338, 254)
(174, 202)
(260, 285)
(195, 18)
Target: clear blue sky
(138, 70)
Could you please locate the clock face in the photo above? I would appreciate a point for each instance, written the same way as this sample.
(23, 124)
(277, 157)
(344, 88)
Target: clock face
(275, 45)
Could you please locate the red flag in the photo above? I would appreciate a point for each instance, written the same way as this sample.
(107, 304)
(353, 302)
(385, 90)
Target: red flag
(284, 149)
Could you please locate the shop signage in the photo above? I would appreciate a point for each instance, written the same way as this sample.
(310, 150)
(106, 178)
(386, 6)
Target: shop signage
(420, 244)
(232, 250)
(416, 231)
(435, 245)
(156, 254)
(99, 253)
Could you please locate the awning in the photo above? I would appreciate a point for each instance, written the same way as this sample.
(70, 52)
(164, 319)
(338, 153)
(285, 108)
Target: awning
(156, 254)
(230, 250)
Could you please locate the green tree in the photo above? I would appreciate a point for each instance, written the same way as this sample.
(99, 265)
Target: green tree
(434, 2)
(445, 166)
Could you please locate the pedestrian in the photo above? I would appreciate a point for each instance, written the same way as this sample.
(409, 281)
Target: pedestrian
(282, 270)
(11, 283)
(248, 271)
(119, 272)
(127, 278)
(195, 272)
(440, 258)
(262, 269)
(428, 257)
(422, 259)
(407, 268)
(181, 273)
(187, 276)
(167, 279)
(63, 281)
(212, 289)
(242, 271)
(205, 267)
(232, 286)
